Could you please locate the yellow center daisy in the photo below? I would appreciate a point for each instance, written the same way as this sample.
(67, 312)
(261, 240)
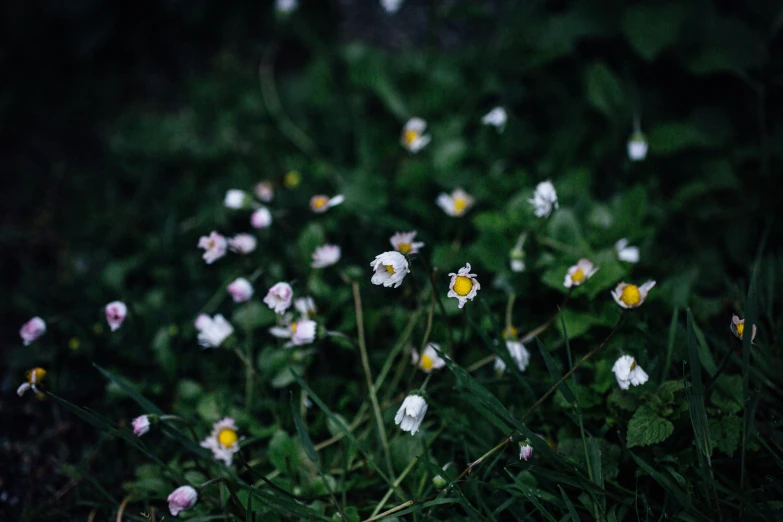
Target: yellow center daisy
(631, 295)
(510, 333)
(463, 285)
(227, 437)
(578, 276)
(319, 202)
(410, 136)
(426, 362)
(36, 375)
(740, 330)
(460, 204)
(390, 269)
(404, 248)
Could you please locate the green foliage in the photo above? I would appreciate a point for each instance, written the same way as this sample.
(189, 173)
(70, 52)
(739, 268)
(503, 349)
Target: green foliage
(646, 427)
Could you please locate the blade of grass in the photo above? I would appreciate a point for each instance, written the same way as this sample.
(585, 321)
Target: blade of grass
(747, 420)
(571, 509)
(554, 372)
(670, 343)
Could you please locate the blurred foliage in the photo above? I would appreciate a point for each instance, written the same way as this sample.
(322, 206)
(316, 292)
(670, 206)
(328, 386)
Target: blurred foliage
(124, 125)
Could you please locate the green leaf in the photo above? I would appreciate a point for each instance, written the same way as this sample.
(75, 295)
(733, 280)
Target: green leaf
(673, 137)
(725, 433)
(667, 390)
(646, 428)
(604, 90)
(571, 510)
(727, 394)
(652, 28)
(283, 453)
(624, 400)
(554, 373)
(252, 315)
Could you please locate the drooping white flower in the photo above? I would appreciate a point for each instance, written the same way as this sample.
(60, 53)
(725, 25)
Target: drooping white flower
(463, 285)
(519, 354)
(320, 203)
(391, 6)
(301, 331)
(240, 289)
(305, 306)
(429, 360)
(628, 372)
(261, 218)
(390, 269)
(182, 498)
(456, 203)
(637, 147)
(579, 273)
(212, 331)
(236, 199)
(517, 255)
(214, 246)
(265, 191)
(286, 6)
(242, 243)
(278, 298)
(631, 296)
(738, 328)
(116, 311)
(497, 117)
(411, 414)
(544, 199)
(32, 330)
(223, 441)
(141, 425)
(629, 254)
(34, 377)
(413, 138)
(325, 255)
(404, 243)
(525, 451)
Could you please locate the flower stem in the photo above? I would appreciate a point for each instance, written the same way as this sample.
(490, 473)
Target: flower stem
(212, 481)
(546, 324)
(184, 421)
(440, 302)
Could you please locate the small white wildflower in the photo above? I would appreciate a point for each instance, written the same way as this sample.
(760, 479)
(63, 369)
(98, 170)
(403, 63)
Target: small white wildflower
(212, 331)
(411, 414)
(242, 243)
(429, 360)
(456, 203)
(223, 441)
(738, 328)
(497, 117)
(637, 147)
(286, 6)
(181, 499)
(544, 199)
(326, 255)
(301, 331)
(278, 298)
(391, 6)
(305, 306)
(517, 255)
(579, 273)
(404, 243)
(390, 269)
(261, 218)
(631, 296)
(115, 312)
(463, 285)
(34, 377)
(519, 354)
(320, 203)
(214, 246)
(236, 199)
(32, 330)
(628, 372)
(629, 254)
(240, 289)
(265, 191)
(413, 138)
(141, 425)
(525, 451)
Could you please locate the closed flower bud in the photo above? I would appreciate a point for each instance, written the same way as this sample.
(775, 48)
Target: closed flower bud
(32, 330)
(241, 290)
(278, 298)
(141, 425)
(235, 199)
(411, 414)
(116, 311)
(261, 218)
(182, 498)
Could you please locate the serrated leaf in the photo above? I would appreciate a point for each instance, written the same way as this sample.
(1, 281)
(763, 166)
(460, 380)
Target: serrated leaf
(725, 433)
(727, 394)
(667, 390)
(646, 428)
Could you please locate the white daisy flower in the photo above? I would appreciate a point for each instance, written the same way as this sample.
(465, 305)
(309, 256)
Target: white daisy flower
(223, 441)
(212, 331)
(411, 414)
(463, 285)
(326, 255)
(629, 254)
(305, 306)
(242, 243)
(286, 6)
(497, 117)
(390, 269)
(455, 204)
(403, 242)
(34, 377)
(631, 296)
(240, 289)
(738, 328)
(301, 331)
(628, 372)
(214, 246)
(525, 451)
(278, 298)
(579, 273)
(519, 354)
(391, 6)
(413, 138)
(181, 499)
(429, 360)
(32, 330)
(261, 218)
(517, 255)
(544, 199)
(116, 311)
(236, 199)
(320, 203)
(637, 147)
(265, 191)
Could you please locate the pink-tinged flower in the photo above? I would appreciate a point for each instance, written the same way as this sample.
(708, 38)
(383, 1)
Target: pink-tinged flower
(738, 328)
(236, 199)
(279, 297)
(182, 498)
(630, 296)
(404, 244)
(320, 203)
(326, 255)
(202, 321)
(223, 441)
(116, 311)
(265, 191)
(141, 425)
(34, 378)
(302, 331)
(261, 218)
(214, 246)
(463, 285)
(32, 330)
(241, 290)
(305, 306)
(525, 452)
(212, 331)
(579, 273)
(242, 243)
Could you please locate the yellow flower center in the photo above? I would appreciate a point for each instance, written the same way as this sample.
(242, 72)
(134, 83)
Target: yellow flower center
(460, 204)
(36, 375)
(510, 333)
(631, 295)
(578, 276)
(390, 269)
(227, 437)
(426, 362)
(74, 343)
(292, 179)
(211, 244)
(740, 330)
(410, 136)
(463, 285)
(404, 248)
(633, 364)
(320, 201)
(294, 327)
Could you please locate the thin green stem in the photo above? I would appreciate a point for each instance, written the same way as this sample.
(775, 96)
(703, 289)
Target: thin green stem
(432, 273)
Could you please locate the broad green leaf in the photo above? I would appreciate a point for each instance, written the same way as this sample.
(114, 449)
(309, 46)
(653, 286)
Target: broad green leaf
(725, 433)
(727, 393)
(604, 90)
(652, 28)
(646, 428)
